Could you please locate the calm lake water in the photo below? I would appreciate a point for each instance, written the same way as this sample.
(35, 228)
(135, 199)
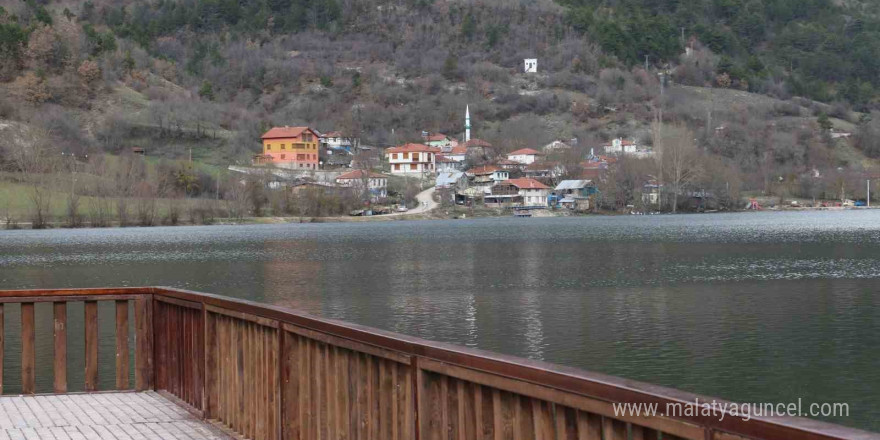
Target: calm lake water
(751, 307)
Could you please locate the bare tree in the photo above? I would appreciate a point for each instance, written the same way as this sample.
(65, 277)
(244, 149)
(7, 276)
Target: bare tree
(129, 173)
(678, 158)
(238, 197)
(34, 158)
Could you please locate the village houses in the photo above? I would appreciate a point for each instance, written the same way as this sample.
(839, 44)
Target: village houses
(439, 140)
(521, 192)
(376, 184)
(445, 164)
(533, 193)
(484, 177)
(621, 146)
(454, 180)
(524, 156)
(573, 194)
(334, 140)
(412, 159)
(290, 147)
(558, 146)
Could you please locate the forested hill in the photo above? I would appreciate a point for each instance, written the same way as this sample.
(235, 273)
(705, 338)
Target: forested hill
(823, 49)
(759, 82)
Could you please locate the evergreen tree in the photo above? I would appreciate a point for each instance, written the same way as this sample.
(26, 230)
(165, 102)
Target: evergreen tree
(206, 91)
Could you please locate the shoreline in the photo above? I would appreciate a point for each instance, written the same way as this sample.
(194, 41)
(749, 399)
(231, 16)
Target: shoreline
(430, 215)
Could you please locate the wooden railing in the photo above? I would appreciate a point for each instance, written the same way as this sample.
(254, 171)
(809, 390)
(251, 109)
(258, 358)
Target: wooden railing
(265, 372)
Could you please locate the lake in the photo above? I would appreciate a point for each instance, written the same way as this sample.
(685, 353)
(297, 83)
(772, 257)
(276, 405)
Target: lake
(752, 307)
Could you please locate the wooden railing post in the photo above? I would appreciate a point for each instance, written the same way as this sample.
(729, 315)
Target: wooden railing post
(60, 336)
(27, 348)
(91, 335)
(143, 323)
(122, 344)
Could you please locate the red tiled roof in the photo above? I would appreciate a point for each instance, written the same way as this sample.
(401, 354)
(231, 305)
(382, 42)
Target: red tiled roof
(477, 143)
(332, 134)
(508, 162)
(541, 166)
(592, 173)
(484, 169)
(524, 151)
(285, 132)
(435, 137)
(359, 174)
(459, 149)
(413, 148)
(443, 159)
(526, 183)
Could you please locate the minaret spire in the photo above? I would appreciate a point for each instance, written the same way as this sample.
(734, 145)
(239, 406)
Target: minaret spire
(467, 123)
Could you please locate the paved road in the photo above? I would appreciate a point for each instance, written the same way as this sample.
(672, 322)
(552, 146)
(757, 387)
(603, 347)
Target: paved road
(426, 203)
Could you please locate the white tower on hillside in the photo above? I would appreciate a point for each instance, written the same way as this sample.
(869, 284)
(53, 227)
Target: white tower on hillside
(467, 123)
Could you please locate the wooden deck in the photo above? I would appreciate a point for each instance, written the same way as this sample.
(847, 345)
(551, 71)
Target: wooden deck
(116, 416)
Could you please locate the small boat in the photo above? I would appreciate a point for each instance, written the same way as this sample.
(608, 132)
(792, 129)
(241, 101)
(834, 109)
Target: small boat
(521, 213)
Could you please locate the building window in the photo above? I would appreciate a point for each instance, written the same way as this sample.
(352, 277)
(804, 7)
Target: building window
(397, 167)
(413, 167)
(282, 156)
(406, 155)
(268, 147)
(282, 146)
(394, 156)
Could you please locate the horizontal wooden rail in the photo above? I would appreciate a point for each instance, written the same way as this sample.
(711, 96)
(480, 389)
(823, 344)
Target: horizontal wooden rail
(267, 372)
(60, 298)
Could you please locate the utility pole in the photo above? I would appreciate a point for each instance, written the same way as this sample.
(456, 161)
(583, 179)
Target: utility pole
(646, 63)
(869, 194)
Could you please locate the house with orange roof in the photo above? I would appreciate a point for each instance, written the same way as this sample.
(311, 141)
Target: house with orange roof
(479, 148)
(365, 181)
(418, 159)
(290, 147)
(533, 193)
(524, 155)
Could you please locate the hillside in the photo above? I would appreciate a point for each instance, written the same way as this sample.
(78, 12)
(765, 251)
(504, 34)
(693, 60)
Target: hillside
(203, 79)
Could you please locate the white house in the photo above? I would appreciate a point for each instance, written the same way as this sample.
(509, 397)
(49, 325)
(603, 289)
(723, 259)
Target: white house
(530, 65)
(445, 164)
(556, 146)
(376, 184)
(621, 146)
(525, 155)
(533, 193)
(334, 140)
(412, 159)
